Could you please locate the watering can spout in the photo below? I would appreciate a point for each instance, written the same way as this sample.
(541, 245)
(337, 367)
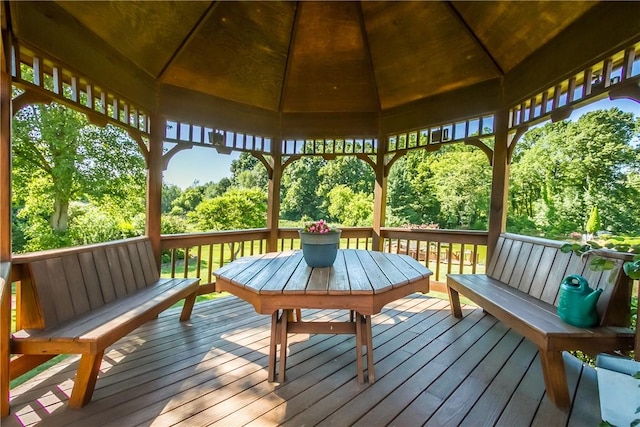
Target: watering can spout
(591, 301)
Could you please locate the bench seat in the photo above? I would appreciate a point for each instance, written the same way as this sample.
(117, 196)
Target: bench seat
(521, 289)
(82, 300)
(100, 328)
(534, 319)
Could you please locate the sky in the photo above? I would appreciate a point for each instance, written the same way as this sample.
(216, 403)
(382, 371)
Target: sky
(202, 165)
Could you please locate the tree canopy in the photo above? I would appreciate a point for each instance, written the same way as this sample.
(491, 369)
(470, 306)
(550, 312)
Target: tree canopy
(561, 171)
(76, 183)
(59, 158)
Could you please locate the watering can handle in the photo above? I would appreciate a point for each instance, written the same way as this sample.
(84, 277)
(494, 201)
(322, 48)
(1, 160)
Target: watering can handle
(577, 281)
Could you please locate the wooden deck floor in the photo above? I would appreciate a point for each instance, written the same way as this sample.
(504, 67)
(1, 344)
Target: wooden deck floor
(431, 369)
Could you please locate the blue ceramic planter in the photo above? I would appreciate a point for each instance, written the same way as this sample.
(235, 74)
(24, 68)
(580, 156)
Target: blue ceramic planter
(320, 250)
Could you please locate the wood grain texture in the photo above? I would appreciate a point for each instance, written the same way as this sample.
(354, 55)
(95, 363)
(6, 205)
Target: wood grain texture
(359, 280)
(75, 283)
(521, 292)
(91, 280)
(90, 298)
(115, 271)
(203, 373)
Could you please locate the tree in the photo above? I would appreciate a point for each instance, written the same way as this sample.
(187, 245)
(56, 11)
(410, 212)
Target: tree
(187, 200)
(234, 210)
(348, 171)
(248, 172)
(410, 197)
(562, 169)
(593, 223)
(58, 158)
(213, 189)
(462, 180)
(170, 192)
(300, 182)
(349, 208)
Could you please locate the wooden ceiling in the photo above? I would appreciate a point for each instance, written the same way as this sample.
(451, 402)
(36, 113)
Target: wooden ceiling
(300, 57)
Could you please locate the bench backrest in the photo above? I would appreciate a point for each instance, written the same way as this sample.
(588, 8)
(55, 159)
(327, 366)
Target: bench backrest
(537, 266)
(69, 282)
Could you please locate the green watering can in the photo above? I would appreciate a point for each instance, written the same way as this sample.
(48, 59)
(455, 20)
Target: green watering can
(577, 302)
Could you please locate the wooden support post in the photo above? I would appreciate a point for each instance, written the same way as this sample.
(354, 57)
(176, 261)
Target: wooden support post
(379, 195)
(5, 155)
(5, 211)
(154, 183)
(499, 181)
(187, 308)
(273, 203)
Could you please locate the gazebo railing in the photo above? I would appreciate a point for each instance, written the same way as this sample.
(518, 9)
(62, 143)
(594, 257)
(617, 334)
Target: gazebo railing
(200, 254)
(442, 251)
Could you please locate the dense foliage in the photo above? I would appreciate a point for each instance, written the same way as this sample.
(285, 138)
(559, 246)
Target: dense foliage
(562, 171)
(75, 183)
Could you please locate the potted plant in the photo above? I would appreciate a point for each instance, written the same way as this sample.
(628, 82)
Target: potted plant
(319, 243)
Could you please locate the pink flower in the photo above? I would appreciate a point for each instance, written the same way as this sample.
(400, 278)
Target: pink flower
(318, 227)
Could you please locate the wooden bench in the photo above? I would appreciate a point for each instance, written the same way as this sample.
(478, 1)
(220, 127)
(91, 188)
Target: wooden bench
(521, 287)
(81, 300)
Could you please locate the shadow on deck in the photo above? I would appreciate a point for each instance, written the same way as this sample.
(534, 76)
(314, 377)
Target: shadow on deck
(431, 369)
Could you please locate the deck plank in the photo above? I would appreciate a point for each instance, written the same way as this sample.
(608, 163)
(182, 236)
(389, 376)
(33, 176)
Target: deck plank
(431, 369)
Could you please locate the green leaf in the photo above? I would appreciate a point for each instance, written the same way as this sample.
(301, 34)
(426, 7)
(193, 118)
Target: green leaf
(601, 264)
(632, 269)
(594, 245)
(568, 247)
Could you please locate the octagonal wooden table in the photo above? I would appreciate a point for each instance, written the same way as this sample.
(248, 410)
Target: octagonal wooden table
(360, 281)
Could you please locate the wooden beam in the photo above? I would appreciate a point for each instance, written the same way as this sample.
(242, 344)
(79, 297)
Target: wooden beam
(5, 333)
(188, 106)
(577, 47)
(499, 181)
(379, 195)
(5, 157)
(476, 142)
(154, 184)
(273, 198)
(63, 37)
(330, 125)
(474, 101)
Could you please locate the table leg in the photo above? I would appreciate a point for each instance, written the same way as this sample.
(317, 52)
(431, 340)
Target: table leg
(295, 315)
(369, 337)
(359, 344)
(284, 318)
(273, 346)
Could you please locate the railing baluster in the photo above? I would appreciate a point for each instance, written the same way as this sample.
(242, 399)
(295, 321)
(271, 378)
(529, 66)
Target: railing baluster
(186, 262)
(437, 273)
(199, 264)
(210, 263)
(173, 262)
(474, 259)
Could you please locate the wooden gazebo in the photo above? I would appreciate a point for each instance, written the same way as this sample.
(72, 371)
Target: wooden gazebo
(288, 79)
